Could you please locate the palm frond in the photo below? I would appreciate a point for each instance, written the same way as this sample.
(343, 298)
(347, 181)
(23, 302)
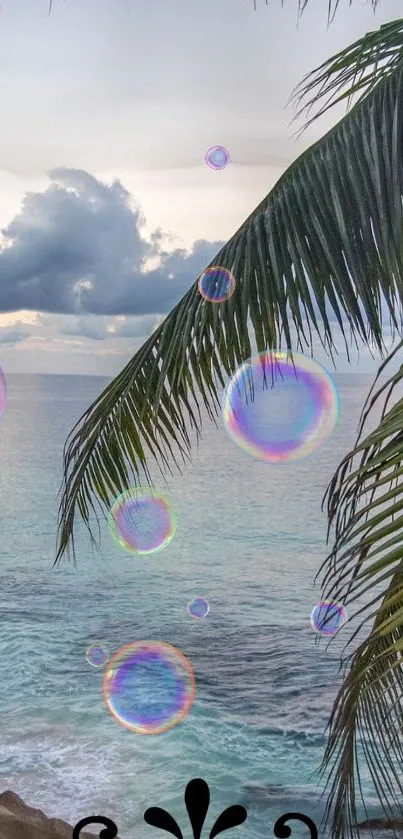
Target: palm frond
(326, 241)
(331, 8)
(355, 70)
(365, 568)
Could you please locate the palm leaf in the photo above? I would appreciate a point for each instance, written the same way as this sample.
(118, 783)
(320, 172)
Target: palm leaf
(355, 70)
(331, 8)
(326, 240)
(365, 568)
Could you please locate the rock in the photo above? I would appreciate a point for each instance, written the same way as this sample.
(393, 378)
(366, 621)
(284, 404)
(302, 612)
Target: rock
(382, 824)
(20, 821)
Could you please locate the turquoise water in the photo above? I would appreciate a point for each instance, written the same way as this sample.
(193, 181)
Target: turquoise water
(250, 538)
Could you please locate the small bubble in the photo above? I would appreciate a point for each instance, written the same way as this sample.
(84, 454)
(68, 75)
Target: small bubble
(216, 284)
(198, 608)
(217, 157)
(328, 617)
(97, 654)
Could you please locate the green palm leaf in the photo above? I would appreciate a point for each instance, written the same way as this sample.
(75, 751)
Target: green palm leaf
(355, 70)
(334, 217)
(365, 568)
(331, 9)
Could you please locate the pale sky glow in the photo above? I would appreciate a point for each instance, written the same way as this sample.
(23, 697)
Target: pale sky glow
(136, 91)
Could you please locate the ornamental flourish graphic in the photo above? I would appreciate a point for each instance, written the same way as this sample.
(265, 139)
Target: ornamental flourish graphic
(197, 801)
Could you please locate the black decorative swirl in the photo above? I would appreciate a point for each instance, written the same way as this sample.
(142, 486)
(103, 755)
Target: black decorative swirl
(157, 817)
(283, 831)
(109, 830)
(197, 800)
(231, 817)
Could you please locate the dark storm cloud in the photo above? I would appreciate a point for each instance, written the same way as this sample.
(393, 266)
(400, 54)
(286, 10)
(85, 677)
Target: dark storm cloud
(77, 248)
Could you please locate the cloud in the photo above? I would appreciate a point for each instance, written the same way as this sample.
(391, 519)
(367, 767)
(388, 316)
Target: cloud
(77, 248)
(136, 327)
(94, 328)
(101, 328)
(13, 336)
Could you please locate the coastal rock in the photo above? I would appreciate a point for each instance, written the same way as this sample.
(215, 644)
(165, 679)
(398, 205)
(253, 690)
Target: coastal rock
(382, 824)
(19, 821)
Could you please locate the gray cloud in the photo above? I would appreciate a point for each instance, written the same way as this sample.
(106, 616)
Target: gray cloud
(13, 335)
(100, 328)
(77, 248)
(94, 328)
(136, 327)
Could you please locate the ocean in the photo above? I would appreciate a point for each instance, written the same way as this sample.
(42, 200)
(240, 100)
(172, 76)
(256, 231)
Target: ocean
(250, 538)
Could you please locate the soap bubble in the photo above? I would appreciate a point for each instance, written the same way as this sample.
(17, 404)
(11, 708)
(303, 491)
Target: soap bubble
(97, 654)
(148, 686)
(328, 617)
(216, 284)
(279, 409)
(3, 393)
(198, 608)
(217, 157)
(142, 522)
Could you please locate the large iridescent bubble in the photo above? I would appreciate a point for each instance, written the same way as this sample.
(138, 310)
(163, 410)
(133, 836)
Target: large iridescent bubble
(277, 408)
(327, 617)
(148, 686)
(142, 522)
(3, 393)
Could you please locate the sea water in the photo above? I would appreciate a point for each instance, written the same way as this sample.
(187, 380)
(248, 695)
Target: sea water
(250, 539)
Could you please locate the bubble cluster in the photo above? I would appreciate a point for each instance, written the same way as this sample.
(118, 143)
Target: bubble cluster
(198, 608)
(328, 617)
(3, 393)
(97, 654)
(216, 284)
(142, 522)
(217, 157)
(277, 408)
(148, 687)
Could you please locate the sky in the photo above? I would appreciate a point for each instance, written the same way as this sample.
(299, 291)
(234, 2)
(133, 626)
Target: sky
(107, 110)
